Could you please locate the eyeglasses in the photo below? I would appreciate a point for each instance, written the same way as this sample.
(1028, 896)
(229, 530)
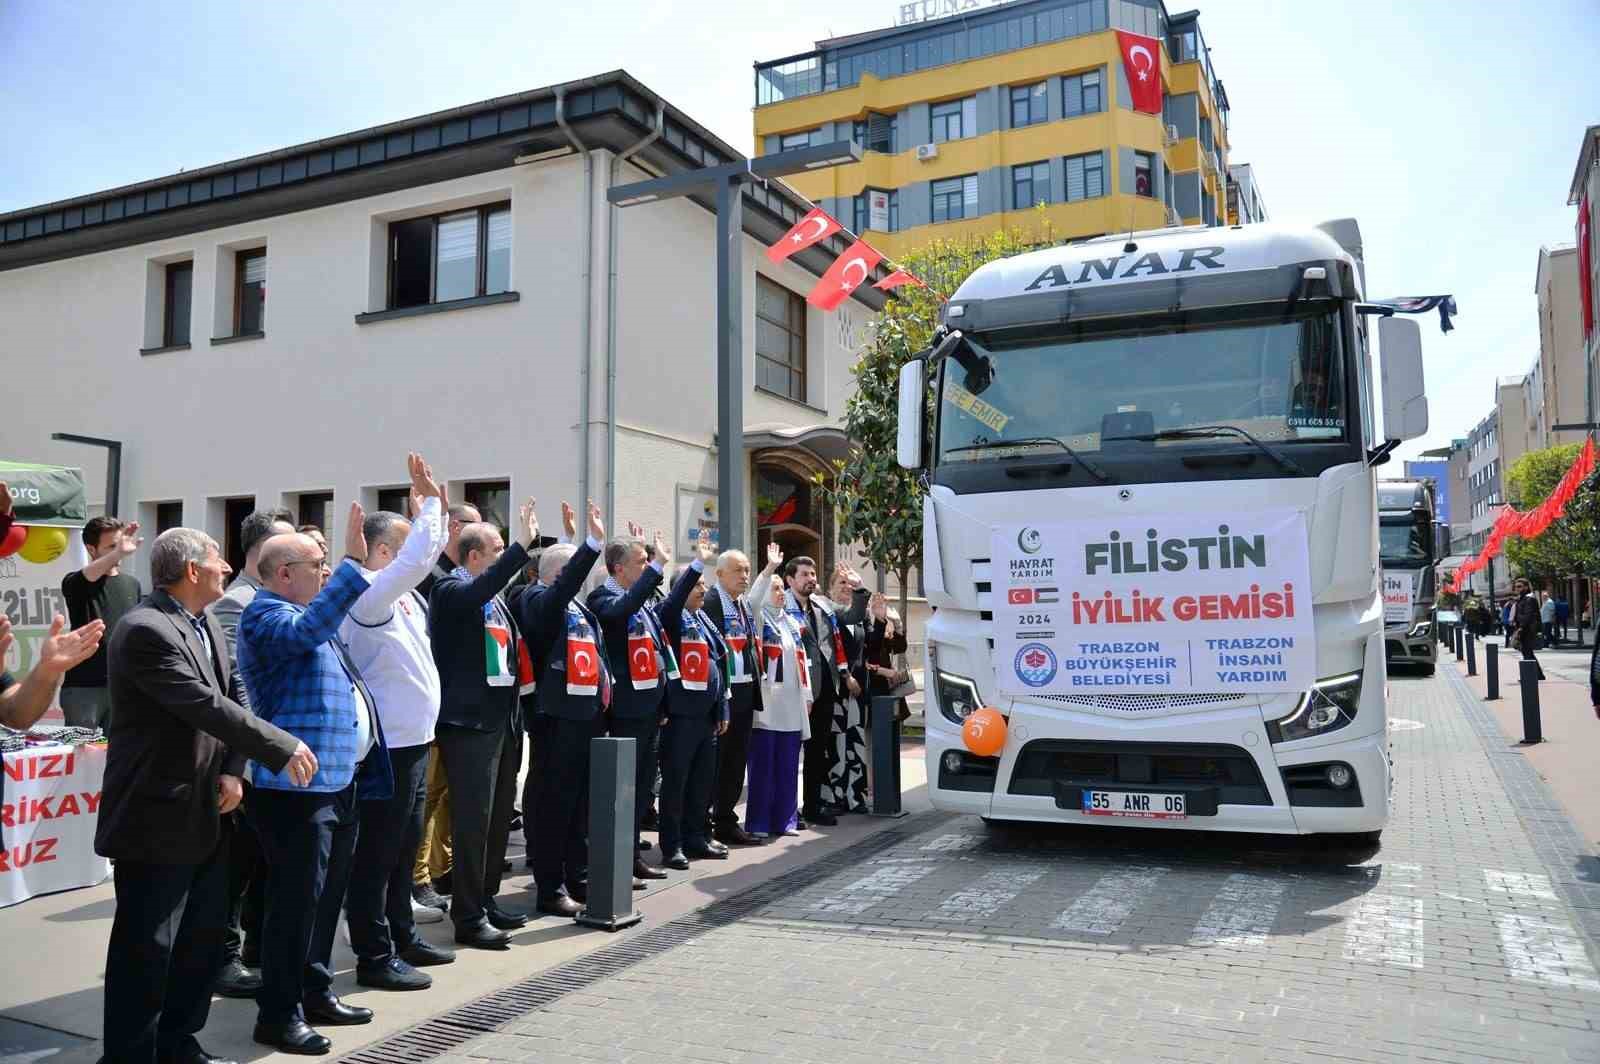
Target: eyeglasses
(320, 562)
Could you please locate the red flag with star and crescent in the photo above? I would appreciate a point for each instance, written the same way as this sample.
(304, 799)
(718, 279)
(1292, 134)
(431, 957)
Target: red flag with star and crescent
(1141, 62)
(848, 272)
(898, 278)
(816, 225)
(1586, 291)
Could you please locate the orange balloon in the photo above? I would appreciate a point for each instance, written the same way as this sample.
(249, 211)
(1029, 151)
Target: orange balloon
(984, 732)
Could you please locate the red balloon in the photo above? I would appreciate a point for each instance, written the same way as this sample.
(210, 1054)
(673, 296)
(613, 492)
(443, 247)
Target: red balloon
(13, 541)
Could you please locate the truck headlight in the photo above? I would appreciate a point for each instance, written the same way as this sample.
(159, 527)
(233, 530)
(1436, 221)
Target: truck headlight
(1421, 630)
(1328, 706)
(958, 696)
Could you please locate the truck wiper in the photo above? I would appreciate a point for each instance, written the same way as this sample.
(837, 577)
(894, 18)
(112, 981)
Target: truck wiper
(1093, 470)
(1200, 432)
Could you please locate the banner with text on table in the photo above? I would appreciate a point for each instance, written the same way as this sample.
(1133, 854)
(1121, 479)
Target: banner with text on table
(1189, 603)
(47, 819)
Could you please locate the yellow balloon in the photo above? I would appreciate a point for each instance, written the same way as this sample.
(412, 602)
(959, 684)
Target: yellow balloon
(43, 545)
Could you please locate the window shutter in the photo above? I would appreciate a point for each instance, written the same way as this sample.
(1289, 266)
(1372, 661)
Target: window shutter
(255, 270)
(1075, 189)
(969, 196)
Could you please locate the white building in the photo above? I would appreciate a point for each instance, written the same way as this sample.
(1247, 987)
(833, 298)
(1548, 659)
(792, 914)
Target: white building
(282, 329)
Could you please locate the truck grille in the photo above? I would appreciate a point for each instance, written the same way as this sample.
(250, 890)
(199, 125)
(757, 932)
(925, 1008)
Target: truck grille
(1045, 766)
(1141, 703)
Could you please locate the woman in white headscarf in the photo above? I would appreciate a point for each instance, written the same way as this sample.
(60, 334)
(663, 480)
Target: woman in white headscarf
(773, 797)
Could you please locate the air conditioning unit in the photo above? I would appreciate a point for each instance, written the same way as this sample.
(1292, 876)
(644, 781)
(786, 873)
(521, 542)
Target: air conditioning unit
(926, 152)
(1172, 135)
(1172, 216)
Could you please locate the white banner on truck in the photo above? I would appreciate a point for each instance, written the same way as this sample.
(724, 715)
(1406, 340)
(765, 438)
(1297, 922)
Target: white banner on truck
(1399, 588)
(1190, 603)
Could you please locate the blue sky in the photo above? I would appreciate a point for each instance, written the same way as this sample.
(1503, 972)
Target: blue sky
(1450, 130)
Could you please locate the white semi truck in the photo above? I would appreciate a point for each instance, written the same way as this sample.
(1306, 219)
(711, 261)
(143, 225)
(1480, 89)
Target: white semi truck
(1150, 530)
(1411, 543)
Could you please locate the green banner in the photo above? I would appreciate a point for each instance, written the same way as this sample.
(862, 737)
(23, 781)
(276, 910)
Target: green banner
(46, 495)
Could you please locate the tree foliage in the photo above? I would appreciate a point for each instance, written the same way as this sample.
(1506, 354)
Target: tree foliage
(878, 504)
(1571, 545)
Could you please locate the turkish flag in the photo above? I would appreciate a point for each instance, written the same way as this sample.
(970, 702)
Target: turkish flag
(848, 272)
(1141, 62)
(1585, 268)
(1020, 596)
(816, 225)
(694, 658)
(643, 664)
(898, 278)
(583, 665)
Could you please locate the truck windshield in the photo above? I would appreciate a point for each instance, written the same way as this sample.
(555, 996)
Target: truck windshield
(1280, 379)
(1402, 542)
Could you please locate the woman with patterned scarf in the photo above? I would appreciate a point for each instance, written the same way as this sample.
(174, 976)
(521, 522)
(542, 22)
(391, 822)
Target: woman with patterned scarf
(773, 798)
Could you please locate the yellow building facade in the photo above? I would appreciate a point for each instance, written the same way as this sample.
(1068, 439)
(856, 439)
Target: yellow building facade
(1005, 115)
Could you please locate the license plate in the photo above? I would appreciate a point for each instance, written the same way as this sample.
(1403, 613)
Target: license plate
(1140, 804)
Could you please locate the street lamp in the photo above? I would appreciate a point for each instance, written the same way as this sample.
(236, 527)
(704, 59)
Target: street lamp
(727, 182)
(113, 464)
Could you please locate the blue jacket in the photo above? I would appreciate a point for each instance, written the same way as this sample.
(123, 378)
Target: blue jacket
(298, 681)
(682, 702)
(542, 614)
(614, 612)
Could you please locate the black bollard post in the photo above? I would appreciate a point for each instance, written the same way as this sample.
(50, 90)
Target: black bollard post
(1532, 729)
(1472, 655)
(1457, 640)
(1491, 667)
(611, 838)
(886, 757)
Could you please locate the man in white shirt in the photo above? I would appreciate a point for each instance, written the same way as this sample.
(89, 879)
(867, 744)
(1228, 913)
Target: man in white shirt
(387, 633)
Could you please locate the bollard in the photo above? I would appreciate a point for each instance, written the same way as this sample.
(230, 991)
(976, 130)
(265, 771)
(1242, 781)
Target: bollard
(1472, 656)
(886, 757)
(1456, 638)
(611, 837)
(1491, 668)
(1532, 731)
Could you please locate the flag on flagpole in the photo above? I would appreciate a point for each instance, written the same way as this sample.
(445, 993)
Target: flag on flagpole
(1142, 66)
(816, 225)
(898, 278)
(847, 273)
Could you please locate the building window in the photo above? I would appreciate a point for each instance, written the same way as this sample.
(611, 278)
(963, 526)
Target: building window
(1028, 105)
(1144, 174)
(955, 197)
(450, 256)
(955, 119)
(1086, 176)
(1205, 133)
(395, 500)
(492, 500)
(1081, 94)
(168, 515)
(316, 508)
(234, 511)
(878, 210)
(250, 293)
(876, 132)
(1030, 184)
(802, 139)
(780, 340)
(175, 315)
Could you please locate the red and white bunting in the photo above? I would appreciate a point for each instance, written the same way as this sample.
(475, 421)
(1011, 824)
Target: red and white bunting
(848, 272)
(898, 278)
(816, 225)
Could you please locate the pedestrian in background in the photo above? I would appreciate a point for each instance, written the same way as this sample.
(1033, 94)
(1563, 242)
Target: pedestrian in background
(1563, 615)
(100, 591)
(1547, 618)
(1525, 621)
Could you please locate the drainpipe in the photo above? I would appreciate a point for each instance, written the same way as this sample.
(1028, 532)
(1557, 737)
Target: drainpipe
(611, 316)
(588, 293)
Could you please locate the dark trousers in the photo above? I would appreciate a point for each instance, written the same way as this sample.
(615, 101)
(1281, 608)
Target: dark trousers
(378, 906)
(688, 761)
(480, 815)
(309, 841)
(819, 754)
(646, 733)
(561, 803)
(164, 953)
(247, 880)
(1525, 644)
(733, 752)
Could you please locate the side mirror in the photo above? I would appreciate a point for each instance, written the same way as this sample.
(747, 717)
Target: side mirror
(1405, 402)
(913, 390)
(1441, 541)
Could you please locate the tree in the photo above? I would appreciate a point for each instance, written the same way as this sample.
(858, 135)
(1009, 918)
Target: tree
(878, 504)
(1571, 545)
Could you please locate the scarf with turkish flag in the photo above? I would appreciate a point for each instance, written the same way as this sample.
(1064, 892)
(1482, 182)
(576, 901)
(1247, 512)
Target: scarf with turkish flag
(644, 663)
(695, 651)
(848, 272)
(1585, 268)
(583, 655)
(1142, 65)
(816, 225)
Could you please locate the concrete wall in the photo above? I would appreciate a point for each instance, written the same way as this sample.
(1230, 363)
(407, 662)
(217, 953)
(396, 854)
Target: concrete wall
(1561, 355)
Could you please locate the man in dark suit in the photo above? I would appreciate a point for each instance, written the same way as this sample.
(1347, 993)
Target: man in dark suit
(636, 650)
(574, 691)
(475, 645)
(174, 767)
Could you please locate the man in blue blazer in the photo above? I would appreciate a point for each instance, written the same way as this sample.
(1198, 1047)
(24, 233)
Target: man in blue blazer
(636, 650)
(301, 679)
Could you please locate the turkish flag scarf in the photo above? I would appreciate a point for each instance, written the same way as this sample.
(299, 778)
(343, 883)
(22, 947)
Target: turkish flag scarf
(694, 655)
(644, 657)
(1141, 63)
(583, 654)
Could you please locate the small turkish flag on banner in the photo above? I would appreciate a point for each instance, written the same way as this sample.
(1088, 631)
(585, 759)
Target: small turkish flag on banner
(898, 278)
(816, 225)
(1141, 62)
(847, 273)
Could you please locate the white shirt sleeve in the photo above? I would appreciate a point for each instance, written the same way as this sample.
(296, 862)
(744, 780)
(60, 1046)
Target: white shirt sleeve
(760, 594)
(417, 555)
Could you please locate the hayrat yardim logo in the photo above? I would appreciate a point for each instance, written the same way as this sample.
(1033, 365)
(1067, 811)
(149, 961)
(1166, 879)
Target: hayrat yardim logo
(1030, 540)
(1035, 664)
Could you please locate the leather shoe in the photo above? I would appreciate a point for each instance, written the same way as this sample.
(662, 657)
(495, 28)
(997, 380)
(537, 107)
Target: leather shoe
(427, 955)
(295, 1037)
(560, 905)
(651, 820)
(237, 981)
(705, 853)
(392, 974)
(677, 860)
(638, 884)
(579, 892)
(715, 847)
(734, 835)
(482, 936)
(193, 1054)
(642, 844)
(820, 818)
(329, 1011)
(505, 919)
(641, 870)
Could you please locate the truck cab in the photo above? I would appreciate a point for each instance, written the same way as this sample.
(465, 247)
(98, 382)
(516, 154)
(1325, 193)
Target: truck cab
(1411, 543)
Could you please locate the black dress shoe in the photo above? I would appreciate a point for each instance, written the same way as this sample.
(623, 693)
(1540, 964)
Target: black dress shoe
(642, 844)
(193, 1054)
(734, 835)
(482, 936)
(714, 846)
(560, 905)
(393, 974)
(427, 955)
(295, 1037)
(639, 884)
(329, 1011)
(819, 818)
(579, 892)
(706, 853)
(677, 860)
(506, 919)
(237, 981)
(650, 821)
(642, 870)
